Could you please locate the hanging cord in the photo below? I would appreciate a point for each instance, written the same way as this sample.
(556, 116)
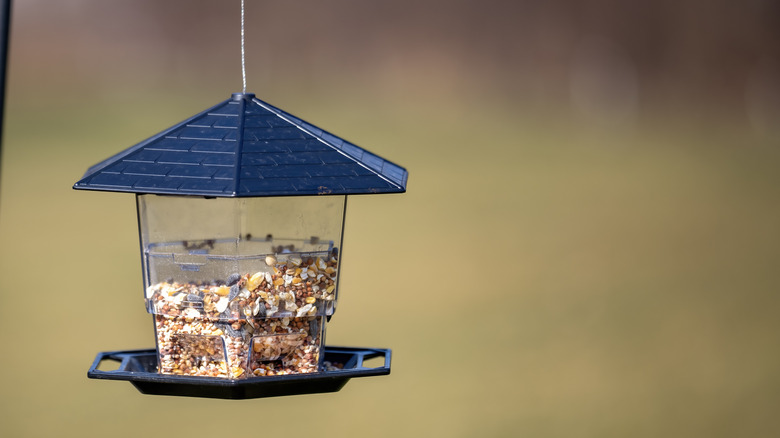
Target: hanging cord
(243, 55)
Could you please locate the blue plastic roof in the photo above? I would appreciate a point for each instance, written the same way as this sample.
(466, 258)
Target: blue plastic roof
(244, 147)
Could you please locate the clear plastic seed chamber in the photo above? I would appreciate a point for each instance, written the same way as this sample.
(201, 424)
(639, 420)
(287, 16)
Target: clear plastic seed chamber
(240, 287)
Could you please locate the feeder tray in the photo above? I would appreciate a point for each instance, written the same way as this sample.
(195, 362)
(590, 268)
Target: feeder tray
(139, 367)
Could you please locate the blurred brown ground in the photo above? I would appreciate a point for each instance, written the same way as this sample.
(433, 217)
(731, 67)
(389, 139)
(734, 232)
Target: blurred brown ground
(588, 247)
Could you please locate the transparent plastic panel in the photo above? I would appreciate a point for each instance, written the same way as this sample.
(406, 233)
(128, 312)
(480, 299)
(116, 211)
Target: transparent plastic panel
(240, 287)
(286, 349)
(181, 236)
(238, 258)
(251, 347)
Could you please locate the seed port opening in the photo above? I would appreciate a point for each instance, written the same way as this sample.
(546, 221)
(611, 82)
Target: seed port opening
(377, 361)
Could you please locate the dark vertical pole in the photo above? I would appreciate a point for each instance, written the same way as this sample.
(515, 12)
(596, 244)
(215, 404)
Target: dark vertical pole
(5, 24)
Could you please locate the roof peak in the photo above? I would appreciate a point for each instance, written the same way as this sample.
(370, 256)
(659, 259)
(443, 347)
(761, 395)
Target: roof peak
(242, 96)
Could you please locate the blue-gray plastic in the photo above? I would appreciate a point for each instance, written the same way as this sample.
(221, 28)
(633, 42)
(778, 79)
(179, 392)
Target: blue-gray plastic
(244, 147)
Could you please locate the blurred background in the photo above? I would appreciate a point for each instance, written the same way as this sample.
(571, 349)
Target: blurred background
(589, 243)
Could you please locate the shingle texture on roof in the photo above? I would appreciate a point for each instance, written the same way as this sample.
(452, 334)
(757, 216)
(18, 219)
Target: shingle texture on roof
(244, 147)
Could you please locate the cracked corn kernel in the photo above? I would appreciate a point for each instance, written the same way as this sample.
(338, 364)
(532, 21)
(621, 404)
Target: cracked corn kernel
(255, 281)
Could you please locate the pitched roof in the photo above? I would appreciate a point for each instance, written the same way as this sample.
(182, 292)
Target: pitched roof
(244, 147)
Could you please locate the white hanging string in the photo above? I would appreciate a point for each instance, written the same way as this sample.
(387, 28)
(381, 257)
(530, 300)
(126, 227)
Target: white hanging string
(243, 55)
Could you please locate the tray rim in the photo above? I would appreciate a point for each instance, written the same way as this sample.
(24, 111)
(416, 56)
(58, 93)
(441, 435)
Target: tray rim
(124, 356)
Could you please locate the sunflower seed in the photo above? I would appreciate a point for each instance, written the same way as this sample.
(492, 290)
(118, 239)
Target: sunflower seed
(233, 279)
(233, 292)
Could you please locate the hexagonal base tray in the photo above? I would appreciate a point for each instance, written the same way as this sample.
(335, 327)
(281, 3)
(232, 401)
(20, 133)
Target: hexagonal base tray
(139, 367)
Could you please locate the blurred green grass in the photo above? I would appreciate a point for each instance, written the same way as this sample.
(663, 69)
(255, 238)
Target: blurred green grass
(539, 278)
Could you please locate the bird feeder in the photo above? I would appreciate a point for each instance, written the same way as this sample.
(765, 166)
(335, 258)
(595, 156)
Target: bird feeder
(241, 218)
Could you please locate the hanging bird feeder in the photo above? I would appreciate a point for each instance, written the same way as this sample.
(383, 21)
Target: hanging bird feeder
(241, 217)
